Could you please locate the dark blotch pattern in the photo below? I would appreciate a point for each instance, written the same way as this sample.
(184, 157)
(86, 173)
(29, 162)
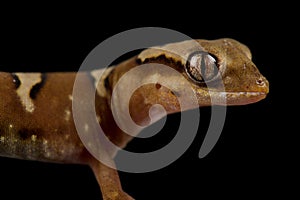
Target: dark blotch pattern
(26, 133)
(106, 80)
(36, 88)
(16, 80)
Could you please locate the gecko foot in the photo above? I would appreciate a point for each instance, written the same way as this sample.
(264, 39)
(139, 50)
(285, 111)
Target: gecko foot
(117, 196)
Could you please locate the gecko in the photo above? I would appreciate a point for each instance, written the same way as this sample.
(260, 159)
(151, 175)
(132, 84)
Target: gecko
(36, 121)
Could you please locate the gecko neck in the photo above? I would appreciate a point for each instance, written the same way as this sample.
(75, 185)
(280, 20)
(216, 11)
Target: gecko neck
(141, 101)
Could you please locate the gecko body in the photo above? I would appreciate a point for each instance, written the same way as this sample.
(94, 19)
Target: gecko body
(36, 120)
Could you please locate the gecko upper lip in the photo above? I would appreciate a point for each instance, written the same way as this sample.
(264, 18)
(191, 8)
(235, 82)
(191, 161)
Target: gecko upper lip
(242, 98)
(235, 98)
(248, 94)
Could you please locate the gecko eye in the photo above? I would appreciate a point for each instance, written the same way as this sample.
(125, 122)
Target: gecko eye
(201, 67)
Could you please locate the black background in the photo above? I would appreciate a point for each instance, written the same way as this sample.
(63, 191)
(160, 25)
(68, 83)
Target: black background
(250, 158)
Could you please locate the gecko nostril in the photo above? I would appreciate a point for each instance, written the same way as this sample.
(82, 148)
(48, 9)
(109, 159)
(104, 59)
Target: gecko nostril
(260, 82)
(262, 85)
(158, 86)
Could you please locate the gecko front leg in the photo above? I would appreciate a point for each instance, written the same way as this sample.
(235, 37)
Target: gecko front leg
(109, 181)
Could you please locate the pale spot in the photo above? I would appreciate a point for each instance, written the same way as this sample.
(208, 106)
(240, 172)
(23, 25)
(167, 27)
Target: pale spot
(156, 112)
(62, 151)
(89, 144)
(98, 118)
(227, 43)
(28, 80)
(67, 114)
(67, 136)
(33, 138)
(10, 126)
(70, 97)
(2, 139)
(223, 96)
(154, 78)
(48, 154)
(86, 127)
(45, 142)
(227, 80)
(108, 137)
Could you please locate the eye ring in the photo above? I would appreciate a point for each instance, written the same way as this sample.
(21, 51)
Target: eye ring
(202, 67)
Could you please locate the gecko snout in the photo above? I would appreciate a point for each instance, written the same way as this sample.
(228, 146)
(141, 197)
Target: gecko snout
(257, 85)
(262, 85)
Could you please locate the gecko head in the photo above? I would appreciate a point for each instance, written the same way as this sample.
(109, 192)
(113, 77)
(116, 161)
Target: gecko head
(232, 72)
(215, 68)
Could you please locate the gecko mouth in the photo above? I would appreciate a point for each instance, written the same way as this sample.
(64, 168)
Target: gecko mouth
(236, 98)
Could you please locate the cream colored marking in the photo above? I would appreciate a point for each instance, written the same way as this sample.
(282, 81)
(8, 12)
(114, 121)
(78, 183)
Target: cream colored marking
(98, 118)
(89, 144)
(86, 127)
(2, 139)
(11, 126)
(70, 97)
(227, 80)
(179, 51)
(28, 80)
(226, 42)
(46, 147)
(45, 142)
(67, 136)
(33, 138)
(48, 154)
(101, 74)
(67, 114)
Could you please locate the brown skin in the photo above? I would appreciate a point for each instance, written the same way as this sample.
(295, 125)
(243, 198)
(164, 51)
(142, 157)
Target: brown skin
(240, 78)
(45, 135)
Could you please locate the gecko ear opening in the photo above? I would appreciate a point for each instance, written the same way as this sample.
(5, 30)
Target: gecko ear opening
(202, 67)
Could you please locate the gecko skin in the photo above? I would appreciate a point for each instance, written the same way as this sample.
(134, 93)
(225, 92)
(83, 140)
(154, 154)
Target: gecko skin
(36, 121)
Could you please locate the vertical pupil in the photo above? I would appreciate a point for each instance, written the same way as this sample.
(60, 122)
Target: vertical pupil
(200, 62)
(195, 68)
(202, 66)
